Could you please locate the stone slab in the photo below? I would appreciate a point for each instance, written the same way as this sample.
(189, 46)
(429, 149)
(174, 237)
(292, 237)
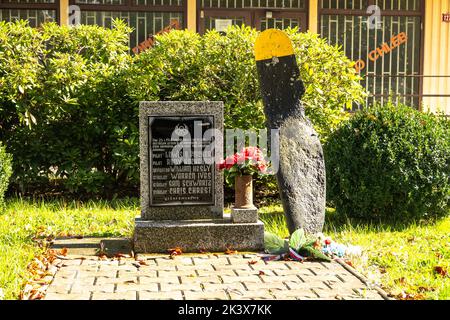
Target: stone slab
(89, 246)
(92, 246)
(179, 108)
(244, 215)
(215, 235)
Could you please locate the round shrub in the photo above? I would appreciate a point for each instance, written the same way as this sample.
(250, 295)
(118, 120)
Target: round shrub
(389, 162)
(5, 173)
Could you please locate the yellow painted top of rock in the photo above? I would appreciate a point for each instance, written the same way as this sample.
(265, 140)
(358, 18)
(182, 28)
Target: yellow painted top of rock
(273, 43)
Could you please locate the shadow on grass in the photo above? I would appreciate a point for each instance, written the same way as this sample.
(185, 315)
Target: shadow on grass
(270, 212)
(336, 222)
(57, 203)
(274, 220)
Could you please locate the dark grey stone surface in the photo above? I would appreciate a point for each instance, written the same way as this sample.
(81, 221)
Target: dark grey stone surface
(178, 108)
(244, 215)
(196, 235)
(301, 174)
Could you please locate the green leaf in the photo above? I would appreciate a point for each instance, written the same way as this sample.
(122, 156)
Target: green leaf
(274, 244)
(315, 253)
(297, 240)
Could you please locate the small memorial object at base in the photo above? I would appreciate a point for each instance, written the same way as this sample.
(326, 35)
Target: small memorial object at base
(242, 166)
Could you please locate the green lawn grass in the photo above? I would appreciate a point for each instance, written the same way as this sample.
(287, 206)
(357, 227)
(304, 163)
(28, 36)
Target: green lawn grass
(401, 258)
(24, 219)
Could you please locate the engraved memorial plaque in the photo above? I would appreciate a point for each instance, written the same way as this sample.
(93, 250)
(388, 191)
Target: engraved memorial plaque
(190, 180)
(179, 143)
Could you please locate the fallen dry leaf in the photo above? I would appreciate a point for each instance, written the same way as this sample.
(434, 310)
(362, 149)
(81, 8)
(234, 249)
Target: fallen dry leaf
(63, 252)
(175, 251)
(230, 251)
(102, 256)
(409, 296)
(401, 280)
(441, 271)
(41, 273)
(262, 273)
(425, 289)
(252, 262)
(130, 282)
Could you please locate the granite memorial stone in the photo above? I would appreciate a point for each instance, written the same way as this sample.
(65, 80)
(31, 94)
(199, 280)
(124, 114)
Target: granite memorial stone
(195, 185)
(181, 186)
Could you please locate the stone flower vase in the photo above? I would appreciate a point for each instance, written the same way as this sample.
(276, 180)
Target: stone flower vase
(243, 189)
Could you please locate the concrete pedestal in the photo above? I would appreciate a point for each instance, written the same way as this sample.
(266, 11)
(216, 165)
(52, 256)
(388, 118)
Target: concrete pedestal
(215, 235)
(244, 215)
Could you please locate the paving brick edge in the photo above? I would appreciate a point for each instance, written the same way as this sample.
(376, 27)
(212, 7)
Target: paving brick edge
(346, 266)
(363, 279)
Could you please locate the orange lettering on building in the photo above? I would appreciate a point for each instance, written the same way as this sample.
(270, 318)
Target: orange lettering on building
(382, 50)
(373, 55)
(360, 65)
(385, 48)
(150, 41)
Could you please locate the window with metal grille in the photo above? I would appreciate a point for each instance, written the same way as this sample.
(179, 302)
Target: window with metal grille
(254, 4)
(389, 58)
(260, 14)
(144, 24)
(35, 11)
(146, 17)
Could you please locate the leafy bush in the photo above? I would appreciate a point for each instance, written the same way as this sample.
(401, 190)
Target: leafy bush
(68, 95)
(184, 65)
(5, 173)
(64, 110)
(390, 162)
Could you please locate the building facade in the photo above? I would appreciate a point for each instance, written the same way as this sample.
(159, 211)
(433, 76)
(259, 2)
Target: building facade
(400, 47)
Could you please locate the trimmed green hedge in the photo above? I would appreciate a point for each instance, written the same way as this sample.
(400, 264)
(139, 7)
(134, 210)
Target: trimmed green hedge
(65, 113)
(68, 96)
(5, 173)
(390, 162)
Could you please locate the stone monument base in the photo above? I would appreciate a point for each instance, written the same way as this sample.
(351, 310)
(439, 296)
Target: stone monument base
(217, 235)
(244, 215)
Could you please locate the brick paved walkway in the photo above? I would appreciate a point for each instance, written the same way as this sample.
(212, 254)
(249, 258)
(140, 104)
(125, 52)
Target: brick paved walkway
(203, 276)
